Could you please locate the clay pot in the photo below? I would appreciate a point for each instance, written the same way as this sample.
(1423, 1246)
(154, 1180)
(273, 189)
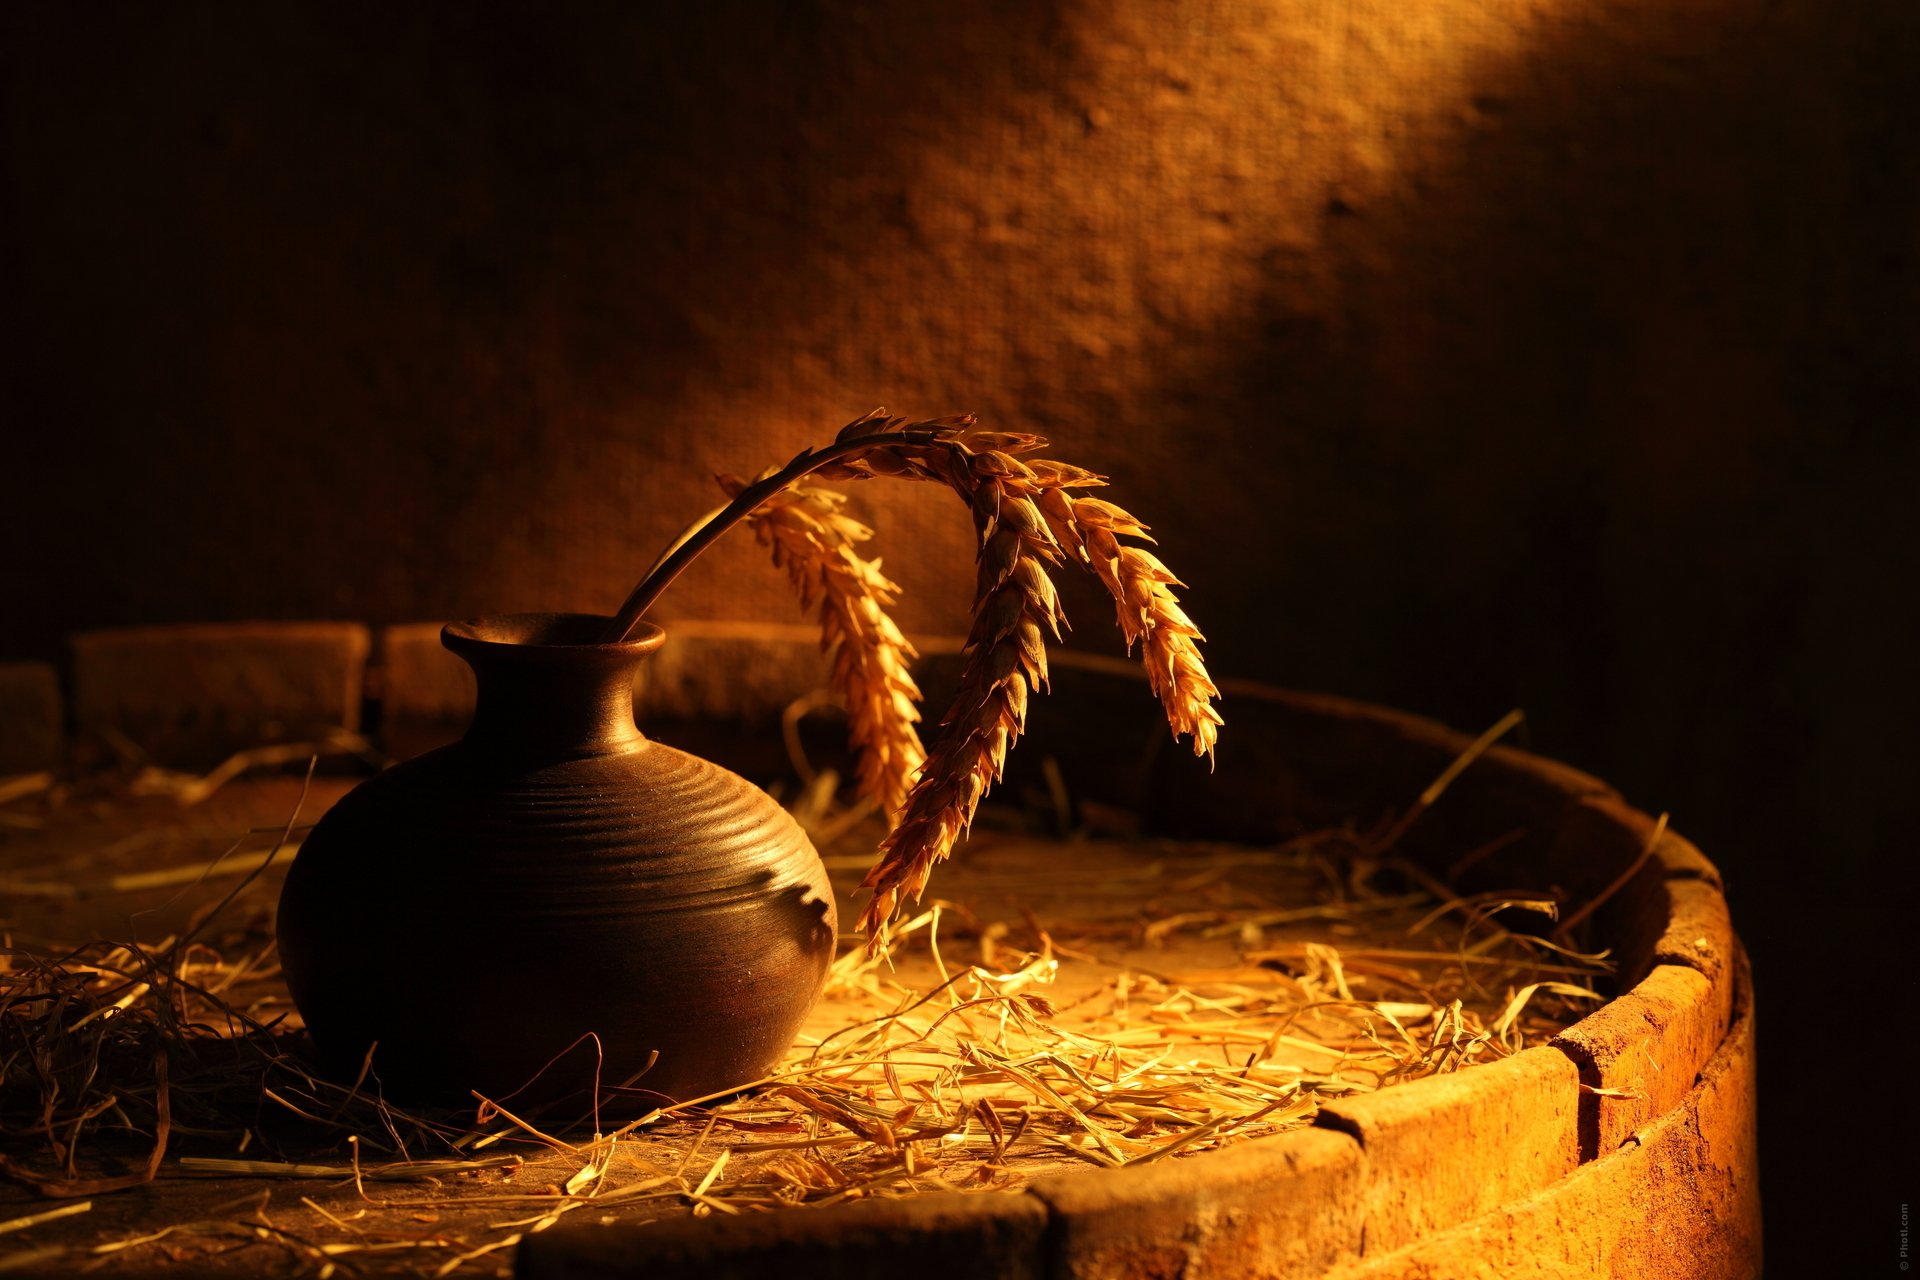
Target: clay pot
(555, 900)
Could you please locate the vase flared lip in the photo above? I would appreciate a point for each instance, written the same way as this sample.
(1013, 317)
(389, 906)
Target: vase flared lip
(577, 634)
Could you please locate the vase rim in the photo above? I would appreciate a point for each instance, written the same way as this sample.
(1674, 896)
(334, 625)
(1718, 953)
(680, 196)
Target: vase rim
(571, 633)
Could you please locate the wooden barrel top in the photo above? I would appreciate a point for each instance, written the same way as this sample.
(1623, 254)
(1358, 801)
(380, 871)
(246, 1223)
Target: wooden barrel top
(1623, 1147)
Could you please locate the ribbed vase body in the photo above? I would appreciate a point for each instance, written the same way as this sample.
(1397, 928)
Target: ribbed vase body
(555, 899)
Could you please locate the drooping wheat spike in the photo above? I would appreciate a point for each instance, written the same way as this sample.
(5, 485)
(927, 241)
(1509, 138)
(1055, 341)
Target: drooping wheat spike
(1029, 515)
(1148, 612)
(1015, 609)
(814, 540)
(1086, 530)
(1029, 518)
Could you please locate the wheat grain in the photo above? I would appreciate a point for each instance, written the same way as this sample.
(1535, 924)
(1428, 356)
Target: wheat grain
(814, 540)
(1029, 516)
(1015, 610)
(1150, 614)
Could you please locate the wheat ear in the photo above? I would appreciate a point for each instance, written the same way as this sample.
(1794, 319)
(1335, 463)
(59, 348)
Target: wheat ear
(1015, 610)
(814, 540)
(1149, 613)
(1028, 517)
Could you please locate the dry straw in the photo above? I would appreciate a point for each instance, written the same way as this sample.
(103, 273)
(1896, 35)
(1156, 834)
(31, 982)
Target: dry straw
(954, 1060)
(975, 1081)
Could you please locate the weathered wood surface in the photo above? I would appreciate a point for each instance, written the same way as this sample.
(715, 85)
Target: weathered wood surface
(1624, 1149)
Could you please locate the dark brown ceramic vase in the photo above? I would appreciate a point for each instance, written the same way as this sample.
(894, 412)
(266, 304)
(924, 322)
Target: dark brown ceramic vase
(555, 899)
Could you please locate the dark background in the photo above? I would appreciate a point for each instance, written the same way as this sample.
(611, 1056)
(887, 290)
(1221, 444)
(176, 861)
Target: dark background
(1467, 354)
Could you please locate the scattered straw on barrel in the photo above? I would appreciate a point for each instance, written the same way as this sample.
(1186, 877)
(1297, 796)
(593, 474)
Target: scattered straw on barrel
(973, 1055)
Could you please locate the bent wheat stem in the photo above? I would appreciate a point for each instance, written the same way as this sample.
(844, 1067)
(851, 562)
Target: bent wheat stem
(1030, 514)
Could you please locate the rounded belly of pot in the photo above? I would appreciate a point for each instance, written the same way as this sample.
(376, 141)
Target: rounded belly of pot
(645, 918)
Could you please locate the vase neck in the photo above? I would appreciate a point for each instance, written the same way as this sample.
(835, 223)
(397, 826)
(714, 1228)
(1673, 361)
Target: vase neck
(547, 688)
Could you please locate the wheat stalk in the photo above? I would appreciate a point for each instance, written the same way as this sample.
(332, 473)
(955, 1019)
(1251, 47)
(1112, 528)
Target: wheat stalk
(814, 540)
(1030, 515)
